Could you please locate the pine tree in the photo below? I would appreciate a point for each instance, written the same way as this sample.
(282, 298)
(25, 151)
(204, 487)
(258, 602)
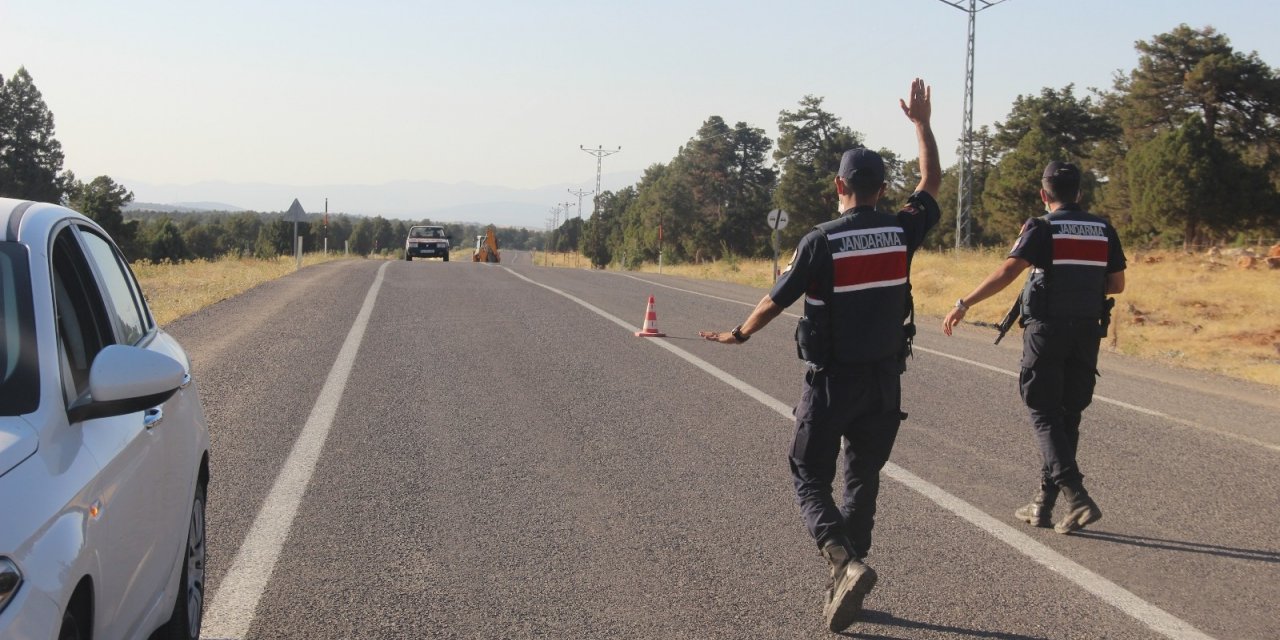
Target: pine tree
(102, 200)
(1235, 98)
(1186, 181)
(810, 143)
(1012, 191)
(30, 157)
(1073, 124)
(165, 243)
(1197, 71)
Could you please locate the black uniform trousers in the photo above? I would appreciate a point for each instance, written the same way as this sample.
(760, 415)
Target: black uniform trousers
(861, 405)
(1059, 369)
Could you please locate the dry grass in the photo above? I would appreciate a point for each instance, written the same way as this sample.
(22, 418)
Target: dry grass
(1180, 309)
(1202, 313)
(571, 260)
(755, 273)
(175, 290)
(1191, 311)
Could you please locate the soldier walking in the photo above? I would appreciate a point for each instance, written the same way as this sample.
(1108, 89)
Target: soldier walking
(1076, 261)
(853, 275)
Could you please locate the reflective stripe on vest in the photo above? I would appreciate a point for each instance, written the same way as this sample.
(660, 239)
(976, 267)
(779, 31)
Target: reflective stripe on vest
(868, 258)
(1080, 243)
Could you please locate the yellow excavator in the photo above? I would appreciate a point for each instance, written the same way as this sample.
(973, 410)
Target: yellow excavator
(487, 247)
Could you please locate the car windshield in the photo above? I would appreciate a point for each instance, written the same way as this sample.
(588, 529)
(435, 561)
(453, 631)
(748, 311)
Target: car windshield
(426, 232)
(19, 382)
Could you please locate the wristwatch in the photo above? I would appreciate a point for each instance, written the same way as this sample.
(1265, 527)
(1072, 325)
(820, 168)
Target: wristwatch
(961, 305)
(737, 334)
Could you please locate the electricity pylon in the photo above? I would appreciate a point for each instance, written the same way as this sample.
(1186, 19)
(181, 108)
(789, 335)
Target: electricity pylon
(964, 197)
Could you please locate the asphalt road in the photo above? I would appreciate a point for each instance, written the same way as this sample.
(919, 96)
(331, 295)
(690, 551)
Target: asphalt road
(502, 461)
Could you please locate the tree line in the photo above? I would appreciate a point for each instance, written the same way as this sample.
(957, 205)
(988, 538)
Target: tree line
(208, 235)
(31, 168)
(1184, 149)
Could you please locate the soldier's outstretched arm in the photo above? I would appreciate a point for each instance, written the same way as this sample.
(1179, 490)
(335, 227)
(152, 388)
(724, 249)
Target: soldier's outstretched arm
(766, 310)
(1007, 272)
(919, 110)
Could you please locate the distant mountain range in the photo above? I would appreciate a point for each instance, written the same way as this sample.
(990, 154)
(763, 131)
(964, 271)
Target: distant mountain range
(182, 207)
(406, 200)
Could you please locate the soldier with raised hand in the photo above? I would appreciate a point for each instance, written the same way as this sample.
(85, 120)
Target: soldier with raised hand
(853, 274)
(1076, 261)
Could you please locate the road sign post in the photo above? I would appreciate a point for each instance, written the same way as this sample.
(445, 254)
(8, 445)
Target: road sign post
(297, 214)
(777, 220)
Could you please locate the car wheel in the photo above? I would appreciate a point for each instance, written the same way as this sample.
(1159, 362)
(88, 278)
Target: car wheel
(446, 257)
(408, 257)
(188, 608)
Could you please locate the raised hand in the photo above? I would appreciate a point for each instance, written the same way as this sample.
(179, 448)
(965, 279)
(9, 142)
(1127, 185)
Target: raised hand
(920, 107)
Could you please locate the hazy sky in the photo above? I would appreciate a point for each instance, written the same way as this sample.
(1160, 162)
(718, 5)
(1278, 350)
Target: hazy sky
(320, 92)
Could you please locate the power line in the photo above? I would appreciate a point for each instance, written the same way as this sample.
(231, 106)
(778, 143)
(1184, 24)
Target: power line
(964, 196)
(580, 193)
(555, 227)
(599, 152)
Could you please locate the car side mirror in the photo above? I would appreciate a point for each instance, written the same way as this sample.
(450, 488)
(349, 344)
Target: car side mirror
(125, 380)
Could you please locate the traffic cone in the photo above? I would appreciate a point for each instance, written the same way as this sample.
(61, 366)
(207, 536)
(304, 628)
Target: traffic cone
(650, 329)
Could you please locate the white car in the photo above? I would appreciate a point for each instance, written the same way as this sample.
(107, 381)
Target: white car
(426, 242)
(103, 445)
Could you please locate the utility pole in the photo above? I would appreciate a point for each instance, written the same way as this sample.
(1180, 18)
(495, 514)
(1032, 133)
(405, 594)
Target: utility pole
(659, 243)
(566, 206)
(599, 152)
(555, 229)
(964, 198)
(580, 193)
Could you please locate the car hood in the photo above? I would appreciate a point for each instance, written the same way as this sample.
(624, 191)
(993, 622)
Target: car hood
(17, 442)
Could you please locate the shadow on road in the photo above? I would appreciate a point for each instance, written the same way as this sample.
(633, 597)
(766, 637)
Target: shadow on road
(887, 619)
(1180, 545)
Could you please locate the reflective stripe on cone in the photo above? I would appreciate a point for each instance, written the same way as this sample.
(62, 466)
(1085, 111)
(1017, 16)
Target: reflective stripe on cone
(650, 329)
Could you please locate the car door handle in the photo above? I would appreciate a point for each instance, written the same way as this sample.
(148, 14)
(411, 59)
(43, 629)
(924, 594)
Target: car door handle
(153, 417)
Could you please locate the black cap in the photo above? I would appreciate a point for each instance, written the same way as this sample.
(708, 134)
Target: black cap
(1063, 173)
(862, 166)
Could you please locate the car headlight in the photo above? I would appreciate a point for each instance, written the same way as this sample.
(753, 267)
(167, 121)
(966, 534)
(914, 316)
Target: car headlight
(10, 580)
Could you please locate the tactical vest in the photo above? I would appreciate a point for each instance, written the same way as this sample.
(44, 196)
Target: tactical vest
(855, 313)
(1074, 283)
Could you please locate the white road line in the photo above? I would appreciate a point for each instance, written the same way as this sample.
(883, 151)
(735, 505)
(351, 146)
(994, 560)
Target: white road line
(1153, 617)
(698, 293)
(232, 609)
(1014, 374)
(720, 374)
(982, 365)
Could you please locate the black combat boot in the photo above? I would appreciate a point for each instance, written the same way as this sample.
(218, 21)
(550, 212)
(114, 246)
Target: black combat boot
(851, 581)
(1040, 512)
(1081, 510)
